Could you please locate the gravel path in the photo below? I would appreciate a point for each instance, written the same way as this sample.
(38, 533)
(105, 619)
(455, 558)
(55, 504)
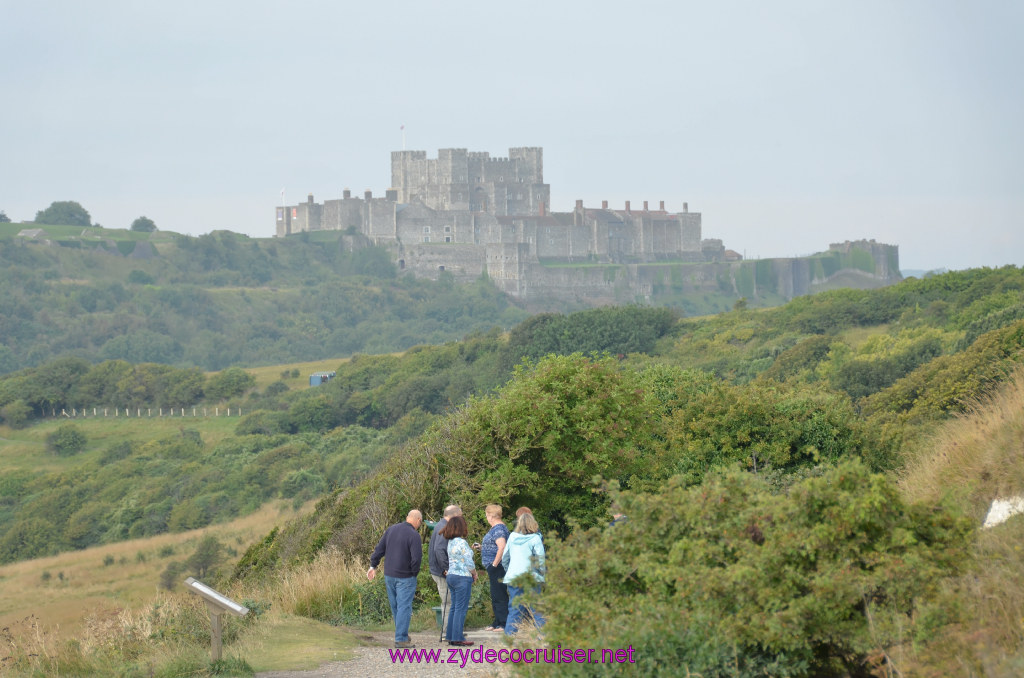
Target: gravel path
(372, 659)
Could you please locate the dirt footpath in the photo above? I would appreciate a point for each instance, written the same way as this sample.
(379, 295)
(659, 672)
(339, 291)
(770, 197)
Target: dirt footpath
(373, 659)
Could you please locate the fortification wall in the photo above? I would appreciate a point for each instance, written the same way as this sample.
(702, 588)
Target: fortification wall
(342, 214)
(380, 218)
(428, 260)
(628, 283)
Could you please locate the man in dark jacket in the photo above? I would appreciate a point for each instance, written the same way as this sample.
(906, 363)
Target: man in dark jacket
(402, 550)
(437, 559)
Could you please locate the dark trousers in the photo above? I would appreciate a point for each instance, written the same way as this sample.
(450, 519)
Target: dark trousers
(499, 595)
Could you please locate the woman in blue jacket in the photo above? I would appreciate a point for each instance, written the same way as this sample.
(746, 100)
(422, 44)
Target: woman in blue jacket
(524, 555)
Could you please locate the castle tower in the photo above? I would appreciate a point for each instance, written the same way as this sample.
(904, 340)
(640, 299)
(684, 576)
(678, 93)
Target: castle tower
(529, 162)
(460, 180)
(408, 169)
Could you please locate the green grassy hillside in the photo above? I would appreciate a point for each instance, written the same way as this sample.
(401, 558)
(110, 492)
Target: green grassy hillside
(220, 299)
(804, 484)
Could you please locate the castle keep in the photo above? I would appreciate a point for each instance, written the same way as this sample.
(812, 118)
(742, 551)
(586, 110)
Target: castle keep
(467, 213)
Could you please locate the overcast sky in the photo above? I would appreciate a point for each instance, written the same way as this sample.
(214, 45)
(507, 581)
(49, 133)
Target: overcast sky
(789, 125)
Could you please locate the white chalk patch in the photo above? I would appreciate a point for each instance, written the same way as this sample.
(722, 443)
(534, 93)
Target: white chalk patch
(1002, 509)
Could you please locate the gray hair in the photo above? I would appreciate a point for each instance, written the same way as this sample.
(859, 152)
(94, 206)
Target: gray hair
(453, 510)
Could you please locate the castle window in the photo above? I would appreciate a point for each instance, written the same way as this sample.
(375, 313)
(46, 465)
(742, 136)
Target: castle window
(426, 229)
(426, 238)
(447, 238)
(447, 229)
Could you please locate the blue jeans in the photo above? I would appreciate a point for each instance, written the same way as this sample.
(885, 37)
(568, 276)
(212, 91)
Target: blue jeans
(520, 615)
(400, 593)
(459, 588)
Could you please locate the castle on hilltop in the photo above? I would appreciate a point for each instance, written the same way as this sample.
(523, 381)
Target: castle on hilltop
(467, 214)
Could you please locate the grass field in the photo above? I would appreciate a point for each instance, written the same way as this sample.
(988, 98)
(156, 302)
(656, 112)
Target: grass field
(268, 375)
(26, 448)
(63, 590)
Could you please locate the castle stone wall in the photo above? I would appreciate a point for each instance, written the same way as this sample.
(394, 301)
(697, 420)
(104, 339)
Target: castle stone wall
(466, 212)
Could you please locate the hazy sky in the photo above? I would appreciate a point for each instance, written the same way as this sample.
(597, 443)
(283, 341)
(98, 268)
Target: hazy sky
(790, 125)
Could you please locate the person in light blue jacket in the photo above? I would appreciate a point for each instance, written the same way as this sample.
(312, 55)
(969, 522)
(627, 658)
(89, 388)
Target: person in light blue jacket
(523, 555)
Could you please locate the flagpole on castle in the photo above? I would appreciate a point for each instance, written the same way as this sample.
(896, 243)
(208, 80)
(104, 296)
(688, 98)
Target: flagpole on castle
(403, 136)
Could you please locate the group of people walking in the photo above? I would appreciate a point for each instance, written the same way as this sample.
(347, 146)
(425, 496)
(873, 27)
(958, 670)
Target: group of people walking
(506, 556)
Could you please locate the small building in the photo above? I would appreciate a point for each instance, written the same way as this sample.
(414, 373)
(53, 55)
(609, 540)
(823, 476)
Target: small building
(318, 378)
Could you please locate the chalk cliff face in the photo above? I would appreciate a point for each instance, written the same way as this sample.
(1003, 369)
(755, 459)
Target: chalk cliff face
(466, 214)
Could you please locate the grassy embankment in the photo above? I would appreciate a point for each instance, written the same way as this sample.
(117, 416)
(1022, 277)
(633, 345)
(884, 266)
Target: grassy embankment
(100, 611)
(62, 590)
(977, 457)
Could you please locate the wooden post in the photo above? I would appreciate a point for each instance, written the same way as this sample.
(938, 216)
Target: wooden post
(216, 616)
(218, 604)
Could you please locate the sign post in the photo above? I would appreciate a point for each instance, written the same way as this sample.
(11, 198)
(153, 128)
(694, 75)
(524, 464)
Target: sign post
(217, 604)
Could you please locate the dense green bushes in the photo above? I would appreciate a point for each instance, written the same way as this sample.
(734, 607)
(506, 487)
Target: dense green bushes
(728, 578)
(622, 330)
(762, 427)
(950, 382)
(543, 438)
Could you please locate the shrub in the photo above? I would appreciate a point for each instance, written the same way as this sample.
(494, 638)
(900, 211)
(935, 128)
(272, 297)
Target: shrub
(232, 382)
(137, 277)
(16, 414)
(68, 439)
(170, 575)
(760, 425)
(727, 578)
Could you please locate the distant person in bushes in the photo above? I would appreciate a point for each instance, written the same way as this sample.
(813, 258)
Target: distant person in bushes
(461, 576)
(524, 555)
(491, 550)
(437, 560)
(402, 550)
(617, 516)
